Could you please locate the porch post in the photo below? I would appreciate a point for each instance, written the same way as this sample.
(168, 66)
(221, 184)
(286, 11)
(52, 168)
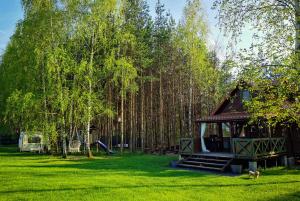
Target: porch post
(231, 129)
(221, 136)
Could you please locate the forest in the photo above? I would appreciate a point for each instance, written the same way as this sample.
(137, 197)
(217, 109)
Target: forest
(109, 66)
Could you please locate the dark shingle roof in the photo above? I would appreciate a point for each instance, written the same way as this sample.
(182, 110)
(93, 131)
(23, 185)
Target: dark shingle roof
(225, 117)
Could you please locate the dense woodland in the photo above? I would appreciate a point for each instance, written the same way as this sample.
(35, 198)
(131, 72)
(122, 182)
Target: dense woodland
(109, 65)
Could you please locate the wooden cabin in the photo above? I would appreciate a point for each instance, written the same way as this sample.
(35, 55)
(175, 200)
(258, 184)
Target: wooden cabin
(227, 137)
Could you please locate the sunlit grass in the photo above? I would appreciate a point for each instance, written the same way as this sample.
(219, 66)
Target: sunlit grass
(26, 176)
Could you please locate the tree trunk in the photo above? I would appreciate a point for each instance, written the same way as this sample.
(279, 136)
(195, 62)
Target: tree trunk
(110, 118)
(64, 146)
(88, 148)
(134, 116)
(190, 104)
(131, 123)
(45, 104)
(122, 118)
(161, 117)
(297, 16)
(151, 113)
(142, 116)
(62, 129)
(181, 112)
(173, 113)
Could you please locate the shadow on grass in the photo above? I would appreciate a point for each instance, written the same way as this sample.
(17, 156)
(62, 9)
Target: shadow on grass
(12, 151)
(145, 165)
(181, 186)
(287, 197)
(280, 171)
(157, 166)
(130, 164)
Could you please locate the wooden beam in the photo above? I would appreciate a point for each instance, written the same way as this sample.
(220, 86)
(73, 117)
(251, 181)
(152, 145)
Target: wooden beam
(221, 135)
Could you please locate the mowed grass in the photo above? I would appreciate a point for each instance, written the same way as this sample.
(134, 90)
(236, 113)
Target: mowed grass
(25, 176)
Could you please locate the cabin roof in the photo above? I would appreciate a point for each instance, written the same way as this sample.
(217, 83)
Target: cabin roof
(227, 117)
(219, 115)
(225, 101)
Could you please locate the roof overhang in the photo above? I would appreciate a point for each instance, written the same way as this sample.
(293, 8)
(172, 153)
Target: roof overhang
(226, 117)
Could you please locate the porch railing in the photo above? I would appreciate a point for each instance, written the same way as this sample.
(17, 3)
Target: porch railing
(255, 148)
(186, 146)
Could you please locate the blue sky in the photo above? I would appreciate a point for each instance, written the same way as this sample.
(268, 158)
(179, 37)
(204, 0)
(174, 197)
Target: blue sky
(11, 12)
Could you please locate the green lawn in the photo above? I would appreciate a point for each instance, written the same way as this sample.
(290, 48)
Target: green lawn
(131, 177)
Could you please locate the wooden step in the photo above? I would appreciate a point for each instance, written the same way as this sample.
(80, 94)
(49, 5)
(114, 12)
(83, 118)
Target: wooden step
(209, 159)
(202, 163)
(215, 162)
(211, 156)
(199, 167)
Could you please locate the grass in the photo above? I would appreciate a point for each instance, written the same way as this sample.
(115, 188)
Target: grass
(25, 176)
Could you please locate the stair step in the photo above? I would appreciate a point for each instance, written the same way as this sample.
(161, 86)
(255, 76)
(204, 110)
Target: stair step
(202, 163)
(213, 161)
(209, 159)
(200, 167)
(215, 157)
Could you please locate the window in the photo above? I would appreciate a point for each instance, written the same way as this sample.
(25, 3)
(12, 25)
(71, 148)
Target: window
(34, 139)
(226, 130)
(246, 96)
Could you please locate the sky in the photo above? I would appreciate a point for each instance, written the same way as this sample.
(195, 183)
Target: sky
(11, 12)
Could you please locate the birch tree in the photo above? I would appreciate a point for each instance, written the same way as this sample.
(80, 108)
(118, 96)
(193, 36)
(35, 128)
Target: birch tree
(192, 39)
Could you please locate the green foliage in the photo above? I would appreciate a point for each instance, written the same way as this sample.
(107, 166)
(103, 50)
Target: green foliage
(20, 110)
(271, 64)
(70, 63)
(204, 73)
(276, 94)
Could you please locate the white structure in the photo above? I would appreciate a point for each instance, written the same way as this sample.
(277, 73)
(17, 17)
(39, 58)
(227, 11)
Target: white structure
(26, 143)
(74, 146)
(203, 146)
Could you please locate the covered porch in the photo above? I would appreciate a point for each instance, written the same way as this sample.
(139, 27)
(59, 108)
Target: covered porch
(242, 148)
(231, 135)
